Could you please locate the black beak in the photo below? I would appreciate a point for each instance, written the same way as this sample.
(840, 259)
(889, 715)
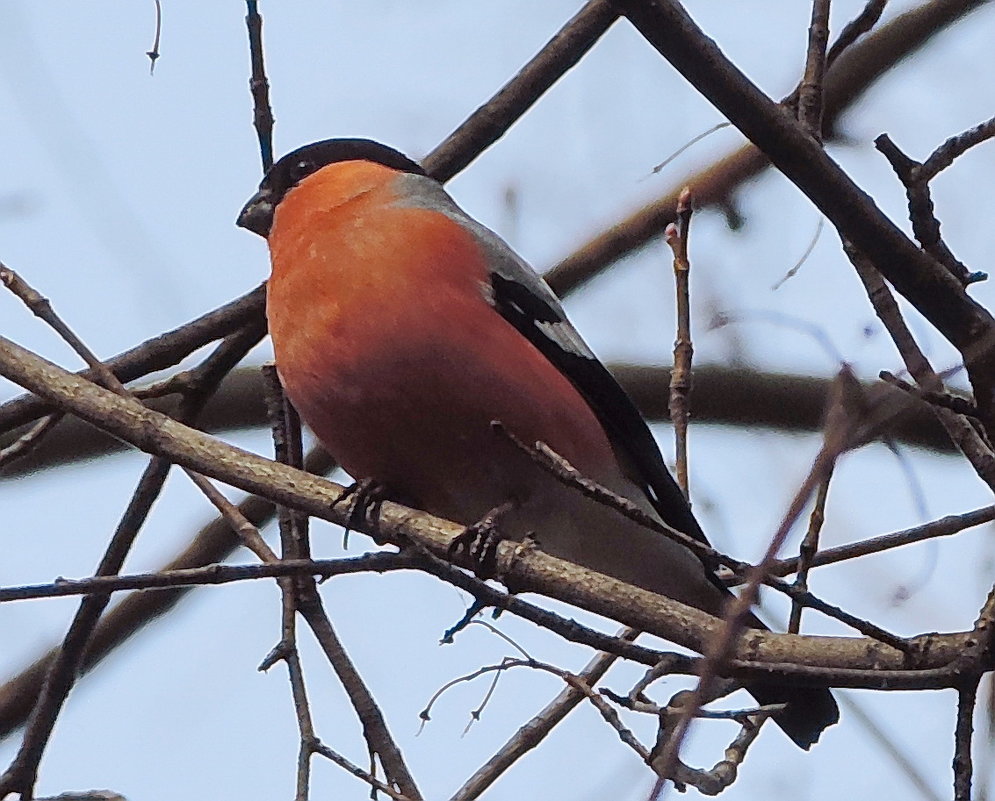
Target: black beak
(257, 215)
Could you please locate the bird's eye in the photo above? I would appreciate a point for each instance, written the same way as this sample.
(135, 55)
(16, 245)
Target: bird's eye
(301, 170)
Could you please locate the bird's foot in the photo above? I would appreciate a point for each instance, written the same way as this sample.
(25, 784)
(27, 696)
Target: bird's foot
(479, 542)
(364, 497)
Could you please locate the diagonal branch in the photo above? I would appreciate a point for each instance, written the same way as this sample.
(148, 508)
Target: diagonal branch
(926, 284)
(797, 658)
(852, 74)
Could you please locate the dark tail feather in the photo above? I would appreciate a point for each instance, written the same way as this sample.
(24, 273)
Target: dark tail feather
(809, 710)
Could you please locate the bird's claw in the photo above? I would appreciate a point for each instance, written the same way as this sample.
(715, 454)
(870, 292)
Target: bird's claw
(479, 542)
(365, 497)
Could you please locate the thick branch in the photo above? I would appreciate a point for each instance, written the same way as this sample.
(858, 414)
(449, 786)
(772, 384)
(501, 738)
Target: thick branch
(521, 568)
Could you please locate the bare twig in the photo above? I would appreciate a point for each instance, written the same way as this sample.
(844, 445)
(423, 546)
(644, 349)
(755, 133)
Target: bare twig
(967, 695)
(294, 546)
(808, 549)
(154, 54)
(358, 772)
(576, 682)
(42, 308)
(214, 574)
(955, 146)
(925, 225)
(855, 28)
(680, 376)
(944, 527)
(961, 432)
(724, 773)
(793, 271)
(955, 404)
(240, 524)
(690, 143)
(262, 113)
(532, 733)
(810, 103)
(30, 439)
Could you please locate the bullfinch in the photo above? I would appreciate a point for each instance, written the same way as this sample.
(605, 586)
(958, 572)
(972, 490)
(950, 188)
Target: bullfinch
(402, 328)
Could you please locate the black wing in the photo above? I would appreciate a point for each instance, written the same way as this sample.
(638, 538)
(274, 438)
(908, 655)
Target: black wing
(547, 328)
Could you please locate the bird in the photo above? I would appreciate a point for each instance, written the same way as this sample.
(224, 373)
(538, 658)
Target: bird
(402, 329)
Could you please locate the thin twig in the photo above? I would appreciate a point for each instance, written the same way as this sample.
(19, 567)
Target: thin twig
(925, 225)
(724, 773)
(943, 527)
(808, 549)
(793, 271)
(608, 713)
(30, 439)
(690, 143)
(154, 54)
(962, 433)
(956, 146)
(967, 695)
(262, 113)
(810, 103)
(294, 546)
(358, 772)
(680, 376)
(855, 28)
(240, 524)
(945, 400)
(214, 574)
(41, 307)
(843, 414)
(532, 733)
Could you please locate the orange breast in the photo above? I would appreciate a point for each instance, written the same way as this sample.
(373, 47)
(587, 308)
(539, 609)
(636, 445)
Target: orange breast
(387, 346)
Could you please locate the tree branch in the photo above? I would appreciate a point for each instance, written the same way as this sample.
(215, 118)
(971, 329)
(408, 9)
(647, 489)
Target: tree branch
(843, 660)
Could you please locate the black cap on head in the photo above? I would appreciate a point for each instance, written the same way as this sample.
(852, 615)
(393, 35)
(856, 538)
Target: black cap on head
(284, 175)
